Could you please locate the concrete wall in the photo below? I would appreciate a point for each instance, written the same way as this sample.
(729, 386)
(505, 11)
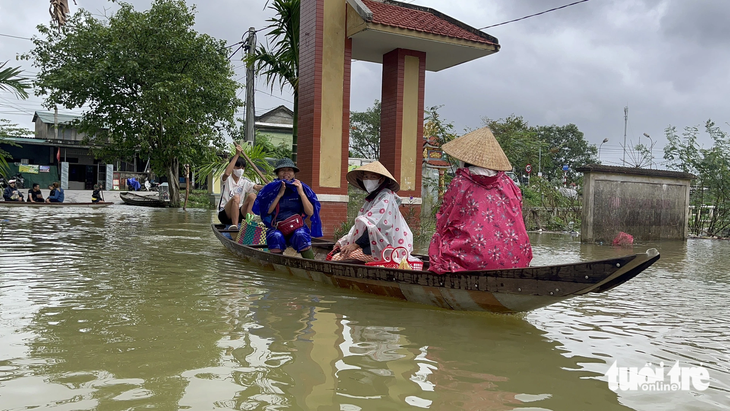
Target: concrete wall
(648, 204)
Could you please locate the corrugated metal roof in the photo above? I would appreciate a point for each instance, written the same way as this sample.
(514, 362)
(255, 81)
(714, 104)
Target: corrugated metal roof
(47, 117)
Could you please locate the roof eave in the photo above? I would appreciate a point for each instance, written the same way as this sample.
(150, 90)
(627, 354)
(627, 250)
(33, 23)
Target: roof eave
(371, 41)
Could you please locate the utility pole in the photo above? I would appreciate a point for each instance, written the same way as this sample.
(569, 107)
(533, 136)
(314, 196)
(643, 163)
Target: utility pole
(626, 121)
(250, 110)
(55, 123)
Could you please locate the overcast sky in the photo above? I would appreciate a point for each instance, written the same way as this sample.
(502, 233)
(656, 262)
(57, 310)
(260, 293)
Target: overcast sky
(664, 59)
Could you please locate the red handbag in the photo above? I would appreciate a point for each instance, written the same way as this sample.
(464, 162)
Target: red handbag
(288, 225)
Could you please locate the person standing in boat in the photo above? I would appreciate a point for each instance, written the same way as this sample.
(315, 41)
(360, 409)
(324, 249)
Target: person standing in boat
(57, 195)
(379, 223)
(11, 192)
(479, 225)
(34, 194)
(237, 192)
(283, 205)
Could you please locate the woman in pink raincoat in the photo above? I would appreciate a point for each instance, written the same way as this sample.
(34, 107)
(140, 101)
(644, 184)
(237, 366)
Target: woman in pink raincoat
(479, 225)
(379, 223)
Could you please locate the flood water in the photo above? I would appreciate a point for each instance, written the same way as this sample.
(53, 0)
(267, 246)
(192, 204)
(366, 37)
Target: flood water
(130, 308)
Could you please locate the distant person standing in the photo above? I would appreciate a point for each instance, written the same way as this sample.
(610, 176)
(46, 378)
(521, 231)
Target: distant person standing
(96, 194)
(57, 195)
(11, 192)
(34, 194)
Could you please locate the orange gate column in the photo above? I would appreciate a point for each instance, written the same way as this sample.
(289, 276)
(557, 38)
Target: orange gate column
(324, 106)
(401, 124)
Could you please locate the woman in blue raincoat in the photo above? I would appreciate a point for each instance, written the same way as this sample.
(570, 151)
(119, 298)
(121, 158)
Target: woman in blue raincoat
(283, 198)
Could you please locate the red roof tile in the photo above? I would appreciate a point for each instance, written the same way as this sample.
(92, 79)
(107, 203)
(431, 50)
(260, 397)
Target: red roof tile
(437, 163)
(420, 20)
(431, 140)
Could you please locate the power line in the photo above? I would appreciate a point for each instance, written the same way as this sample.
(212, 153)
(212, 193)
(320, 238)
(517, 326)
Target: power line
(533, 15)
(235, 51)
(15, 37)
(280, 98)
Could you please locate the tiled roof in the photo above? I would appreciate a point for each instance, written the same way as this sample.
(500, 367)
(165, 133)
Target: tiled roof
(437, 163)
(422, 19)
(431, 140)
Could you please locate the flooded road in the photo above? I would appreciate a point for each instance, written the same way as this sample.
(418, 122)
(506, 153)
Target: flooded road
(135, 308)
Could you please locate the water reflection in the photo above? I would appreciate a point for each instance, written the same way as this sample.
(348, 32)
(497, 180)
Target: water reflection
(127, 308)
(314, 351)
(676, 311)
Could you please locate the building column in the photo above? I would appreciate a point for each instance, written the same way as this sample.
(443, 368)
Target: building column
(324, 106)
(401, 124)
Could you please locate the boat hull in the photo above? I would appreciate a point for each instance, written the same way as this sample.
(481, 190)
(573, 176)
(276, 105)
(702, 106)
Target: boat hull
(26, 204)
(141, 200)
(502, 291)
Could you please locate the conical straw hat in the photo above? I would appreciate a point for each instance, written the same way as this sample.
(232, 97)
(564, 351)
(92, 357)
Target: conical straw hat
(479, 148)
(354, 177)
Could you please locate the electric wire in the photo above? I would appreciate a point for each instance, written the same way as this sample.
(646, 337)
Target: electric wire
(533, 15)
(15, 37)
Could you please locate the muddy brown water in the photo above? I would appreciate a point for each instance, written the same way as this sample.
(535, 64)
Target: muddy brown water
(128, 308)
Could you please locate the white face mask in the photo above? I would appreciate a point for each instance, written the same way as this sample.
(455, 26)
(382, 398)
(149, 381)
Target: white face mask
(238, 172)
(371, 185)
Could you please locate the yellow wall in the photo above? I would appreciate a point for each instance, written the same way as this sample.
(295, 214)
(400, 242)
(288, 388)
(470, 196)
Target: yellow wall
(355, 23)
(410, 124)
(333, 73)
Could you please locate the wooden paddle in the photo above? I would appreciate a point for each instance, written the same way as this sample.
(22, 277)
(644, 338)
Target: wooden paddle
(187, 185)
(261, 176)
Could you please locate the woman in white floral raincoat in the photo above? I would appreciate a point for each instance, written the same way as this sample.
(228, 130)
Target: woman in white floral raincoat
(379, 223)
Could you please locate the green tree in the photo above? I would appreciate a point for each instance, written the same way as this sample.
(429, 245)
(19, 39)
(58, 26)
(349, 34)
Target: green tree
(711, 166)
(59, 11)
(11, 81)
(8, 129)
(545, 148)
(218, 163)
(279, 62)
(565, 146)
(150, 84)
(443, 131)
(267, 147)
(365, 132)
(270, 150)
(517, 138)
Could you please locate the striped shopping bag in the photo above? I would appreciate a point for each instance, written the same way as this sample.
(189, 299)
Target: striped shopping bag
(251, 233)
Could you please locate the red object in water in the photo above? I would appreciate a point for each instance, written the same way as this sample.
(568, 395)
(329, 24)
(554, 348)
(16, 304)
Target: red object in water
(623, 239)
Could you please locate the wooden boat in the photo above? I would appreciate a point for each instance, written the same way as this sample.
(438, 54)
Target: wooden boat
(152, 200)
(64, 204)
(503, 291)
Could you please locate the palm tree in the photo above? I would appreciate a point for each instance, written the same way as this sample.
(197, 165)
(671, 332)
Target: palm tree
(256, 153)
(279, 63)
(9, 81)
(59, 11)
